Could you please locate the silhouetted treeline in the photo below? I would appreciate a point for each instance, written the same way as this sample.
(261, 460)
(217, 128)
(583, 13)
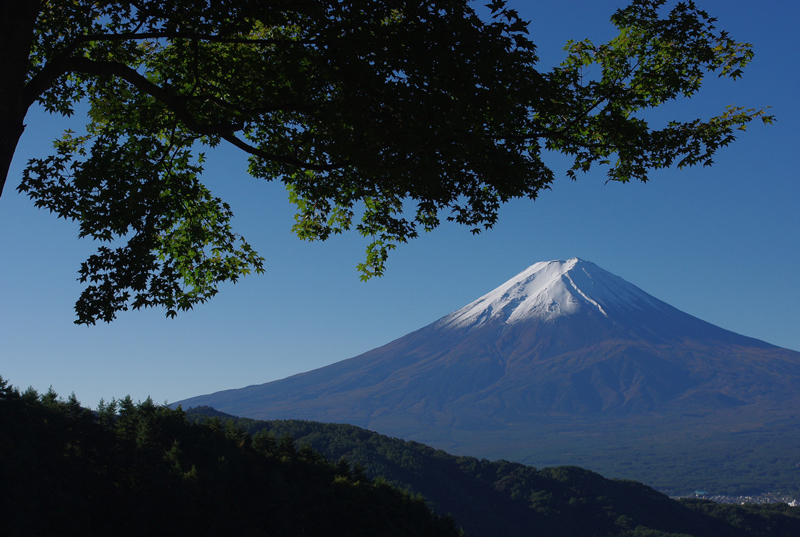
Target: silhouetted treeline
(143, 469)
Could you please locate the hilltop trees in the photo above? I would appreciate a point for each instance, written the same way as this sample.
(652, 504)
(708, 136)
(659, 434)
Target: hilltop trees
(380, 115)
(142, 469)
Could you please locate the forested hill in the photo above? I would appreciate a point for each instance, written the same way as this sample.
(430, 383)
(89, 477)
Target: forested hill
(134, 469)
(143, 469)
(507, 499)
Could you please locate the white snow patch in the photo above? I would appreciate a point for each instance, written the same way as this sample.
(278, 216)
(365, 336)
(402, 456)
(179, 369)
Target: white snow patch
(551, 289)
(589, 300)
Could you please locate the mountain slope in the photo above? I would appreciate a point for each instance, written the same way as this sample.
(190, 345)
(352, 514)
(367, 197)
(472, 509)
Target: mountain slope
(563, 345)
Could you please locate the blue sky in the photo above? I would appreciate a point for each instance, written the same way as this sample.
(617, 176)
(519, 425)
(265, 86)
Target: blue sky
(721, 243)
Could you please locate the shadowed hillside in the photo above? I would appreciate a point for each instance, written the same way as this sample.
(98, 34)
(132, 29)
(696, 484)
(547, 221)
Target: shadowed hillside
(141, 469)
(508, 499)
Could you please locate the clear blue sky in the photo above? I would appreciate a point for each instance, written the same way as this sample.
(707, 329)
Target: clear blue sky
(720, 243)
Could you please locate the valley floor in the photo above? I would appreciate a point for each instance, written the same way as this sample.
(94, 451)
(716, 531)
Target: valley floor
(767, 498)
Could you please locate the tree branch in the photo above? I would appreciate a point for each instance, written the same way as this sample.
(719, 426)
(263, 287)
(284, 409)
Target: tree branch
(16, 38)
(255, 151)
(135, 36)
(175, 103)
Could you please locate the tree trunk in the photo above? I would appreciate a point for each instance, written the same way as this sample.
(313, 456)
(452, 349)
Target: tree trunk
(17, 23)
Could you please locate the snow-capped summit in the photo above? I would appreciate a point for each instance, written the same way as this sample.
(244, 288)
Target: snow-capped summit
(551, 289)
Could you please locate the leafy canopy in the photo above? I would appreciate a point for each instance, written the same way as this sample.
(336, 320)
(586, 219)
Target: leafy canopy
(381, 115)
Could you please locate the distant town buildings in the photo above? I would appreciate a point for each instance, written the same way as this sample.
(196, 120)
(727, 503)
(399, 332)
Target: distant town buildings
(765, 498)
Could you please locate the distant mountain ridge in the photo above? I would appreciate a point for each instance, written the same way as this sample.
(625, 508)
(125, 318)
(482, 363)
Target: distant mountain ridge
(562, 344)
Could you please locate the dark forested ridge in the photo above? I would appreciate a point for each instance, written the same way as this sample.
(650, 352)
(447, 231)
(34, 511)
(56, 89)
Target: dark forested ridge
(501, 498)
(143, 469)
(567, 364)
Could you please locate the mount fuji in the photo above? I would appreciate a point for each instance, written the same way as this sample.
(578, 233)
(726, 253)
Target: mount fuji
(558, 363)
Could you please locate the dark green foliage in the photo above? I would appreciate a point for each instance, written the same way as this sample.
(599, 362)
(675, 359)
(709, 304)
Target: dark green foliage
(501, 498)
(383, 116)
(142, 469)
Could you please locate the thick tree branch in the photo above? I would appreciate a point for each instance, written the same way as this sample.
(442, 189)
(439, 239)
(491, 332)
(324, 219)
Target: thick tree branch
(175, 103)
(56, 66)
(136, 36)
(16, 37)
